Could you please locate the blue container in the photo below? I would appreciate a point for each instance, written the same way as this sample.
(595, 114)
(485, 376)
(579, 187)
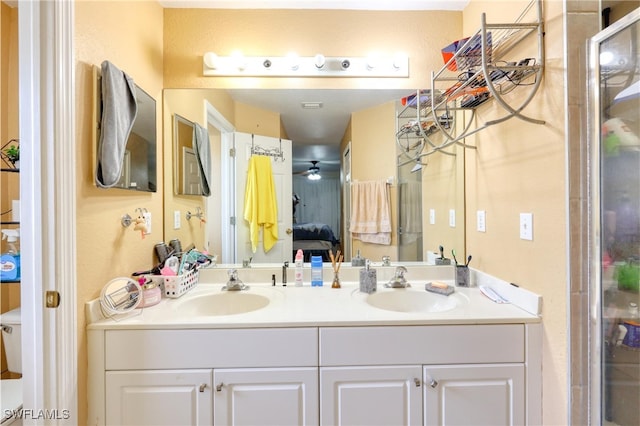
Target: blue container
(9, 267)
(316, 271)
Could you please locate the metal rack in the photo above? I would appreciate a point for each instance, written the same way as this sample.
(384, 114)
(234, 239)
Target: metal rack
(485, 67)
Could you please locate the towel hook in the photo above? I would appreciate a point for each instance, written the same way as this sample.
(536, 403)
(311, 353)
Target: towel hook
(126, 220)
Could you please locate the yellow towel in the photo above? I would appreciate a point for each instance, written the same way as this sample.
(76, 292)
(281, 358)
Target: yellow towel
(260, 204)
(370, 212)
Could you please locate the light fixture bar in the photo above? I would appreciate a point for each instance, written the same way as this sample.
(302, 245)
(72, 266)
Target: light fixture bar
(306, 66)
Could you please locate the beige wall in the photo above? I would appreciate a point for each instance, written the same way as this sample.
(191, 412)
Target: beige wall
(520, 167)
(129, 34)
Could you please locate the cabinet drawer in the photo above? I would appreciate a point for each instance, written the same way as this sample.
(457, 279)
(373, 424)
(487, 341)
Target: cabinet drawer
(162, 349)
(446, 344)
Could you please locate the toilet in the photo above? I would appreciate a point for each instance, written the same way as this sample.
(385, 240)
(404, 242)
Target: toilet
(11, 389)
(12, 339)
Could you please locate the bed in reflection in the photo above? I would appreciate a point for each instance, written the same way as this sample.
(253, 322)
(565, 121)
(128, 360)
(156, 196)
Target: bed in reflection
(315, 239)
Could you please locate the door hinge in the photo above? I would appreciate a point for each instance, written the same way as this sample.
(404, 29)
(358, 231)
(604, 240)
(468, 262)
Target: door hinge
(52, 299)
(232, 152)
(232, 220)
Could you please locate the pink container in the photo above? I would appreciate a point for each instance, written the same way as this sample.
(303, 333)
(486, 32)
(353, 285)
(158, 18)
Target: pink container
(151, 295)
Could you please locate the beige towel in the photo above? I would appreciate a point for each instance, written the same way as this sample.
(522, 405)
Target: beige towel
(370, 212)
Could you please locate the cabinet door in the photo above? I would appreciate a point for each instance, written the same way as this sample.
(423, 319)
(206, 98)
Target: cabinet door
(167, 397)
(266, 396)
(489, 395)
(371, 395)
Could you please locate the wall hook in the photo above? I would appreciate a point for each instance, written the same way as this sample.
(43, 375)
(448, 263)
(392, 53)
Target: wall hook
(126, 220)
(199, 214)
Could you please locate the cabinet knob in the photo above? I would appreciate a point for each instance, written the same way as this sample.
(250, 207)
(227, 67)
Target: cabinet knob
(202, 387)
(219, 387)
(433, 383)
(417, 381)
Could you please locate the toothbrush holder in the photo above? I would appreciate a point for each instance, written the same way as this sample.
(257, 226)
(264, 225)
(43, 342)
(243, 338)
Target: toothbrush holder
(462, 276)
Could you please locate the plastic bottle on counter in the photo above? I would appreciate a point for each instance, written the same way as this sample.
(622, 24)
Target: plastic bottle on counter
(316, 271)
(299, 261)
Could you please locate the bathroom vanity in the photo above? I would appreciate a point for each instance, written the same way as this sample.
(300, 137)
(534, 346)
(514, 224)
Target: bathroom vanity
(317, 356)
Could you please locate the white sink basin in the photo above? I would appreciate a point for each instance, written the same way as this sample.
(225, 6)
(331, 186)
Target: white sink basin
(410, 300)
(223, 303)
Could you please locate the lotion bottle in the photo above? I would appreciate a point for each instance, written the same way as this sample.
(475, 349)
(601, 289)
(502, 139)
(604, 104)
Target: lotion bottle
(316, 271)
(299, 262)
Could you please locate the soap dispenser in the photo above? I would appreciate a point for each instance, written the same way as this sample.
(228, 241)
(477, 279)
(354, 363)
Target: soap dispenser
(368, 279)
(357, 260)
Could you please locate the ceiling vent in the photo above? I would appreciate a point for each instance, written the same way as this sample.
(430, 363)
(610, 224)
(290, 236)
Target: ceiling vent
(311, 105)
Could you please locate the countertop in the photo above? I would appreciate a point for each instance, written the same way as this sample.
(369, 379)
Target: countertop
(324, 306)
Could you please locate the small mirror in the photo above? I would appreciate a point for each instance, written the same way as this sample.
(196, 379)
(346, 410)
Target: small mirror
(186, 171)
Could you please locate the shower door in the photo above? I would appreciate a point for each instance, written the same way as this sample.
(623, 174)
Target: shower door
(614, 85)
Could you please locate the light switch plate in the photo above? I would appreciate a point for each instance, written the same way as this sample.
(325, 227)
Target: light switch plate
(452, 218)
(482, 221)
(176, 219)
(432, 217)
(526, 226)
(147, 222)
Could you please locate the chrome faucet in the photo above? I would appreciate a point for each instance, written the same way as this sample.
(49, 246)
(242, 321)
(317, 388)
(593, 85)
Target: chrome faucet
(398, 280)
(234, 283)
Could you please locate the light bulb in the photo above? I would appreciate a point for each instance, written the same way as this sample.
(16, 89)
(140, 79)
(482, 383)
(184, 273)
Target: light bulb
(211, 60)
(319, 60)
(293, 60)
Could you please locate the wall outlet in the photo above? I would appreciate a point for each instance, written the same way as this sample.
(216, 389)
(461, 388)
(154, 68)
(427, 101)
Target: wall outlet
(481, 221)
(176, 219)
(526, 226)
(147, 222)
(452, 218)
(432, 217)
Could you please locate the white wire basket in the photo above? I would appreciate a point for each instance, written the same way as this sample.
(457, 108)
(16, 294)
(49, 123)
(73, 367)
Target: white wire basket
(174, 286)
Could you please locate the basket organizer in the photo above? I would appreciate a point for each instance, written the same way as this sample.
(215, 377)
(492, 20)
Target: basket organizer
(174, 286)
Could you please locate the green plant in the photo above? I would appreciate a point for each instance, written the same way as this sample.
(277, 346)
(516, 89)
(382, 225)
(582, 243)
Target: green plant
(13, 153)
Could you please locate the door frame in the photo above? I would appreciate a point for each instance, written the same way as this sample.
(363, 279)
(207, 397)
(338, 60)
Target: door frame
(47, 129)
(214, 118)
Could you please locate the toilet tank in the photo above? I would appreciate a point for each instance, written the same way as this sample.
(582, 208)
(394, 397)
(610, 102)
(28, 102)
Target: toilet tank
(12, 339)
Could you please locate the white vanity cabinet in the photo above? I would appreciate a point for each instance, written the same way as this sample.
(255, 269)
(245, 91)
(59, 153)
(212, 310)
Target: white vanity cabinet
(198, 377)
(437, 374)
(431, 375)
(159, 397)
(268, 396)
(387, 395)
(483, 394)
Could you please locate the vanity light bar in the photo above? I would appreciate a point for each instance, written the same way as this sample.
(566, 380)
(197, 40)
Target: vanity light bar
(304, 66)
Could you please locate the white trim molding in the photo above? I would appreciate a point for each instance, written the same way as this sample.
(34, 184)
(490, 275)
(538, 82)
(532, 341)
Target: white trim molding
(47, 195)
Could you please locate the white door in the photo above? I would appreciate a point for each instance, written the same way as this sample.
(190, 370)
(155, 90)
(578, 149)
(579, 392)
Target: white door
(346, 201)
(163, 397)
(274, 396)
(389, 396)
(191, 182)
(281, 166)
(490, 395)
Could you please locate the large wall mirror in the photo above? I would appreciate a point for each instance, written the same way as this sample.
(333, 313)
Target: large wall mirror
(441, 179)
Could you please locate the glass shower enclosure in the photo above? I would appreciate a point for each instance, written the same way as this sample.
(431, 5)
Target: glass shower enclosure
(614, 96)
